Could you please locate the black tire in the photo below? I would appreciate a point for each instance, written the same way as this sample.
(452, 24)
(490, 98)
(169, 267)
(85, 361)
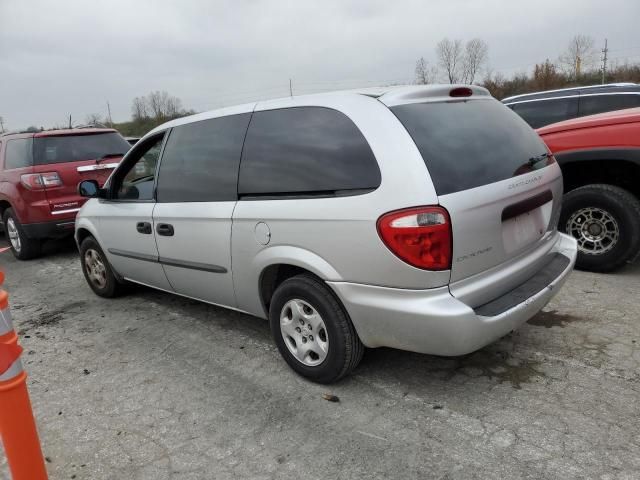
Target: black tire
(622, 206)
(112, 287)
(28, 247)
(345, 349)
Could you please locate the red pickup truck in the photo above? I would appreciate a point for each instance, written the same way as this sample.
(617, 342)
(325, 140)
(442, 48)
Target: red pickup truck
(600, 160)
(39, 174)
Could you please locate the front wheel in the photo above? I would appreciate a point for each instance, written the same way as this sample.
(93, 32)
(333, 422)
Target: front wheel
(605, 220)
(312, 330)
(97, 270)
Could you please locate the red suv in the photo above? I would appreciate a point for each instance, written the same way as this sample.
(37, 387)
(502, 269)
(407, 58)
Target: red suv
(600, 160)
(39, 174)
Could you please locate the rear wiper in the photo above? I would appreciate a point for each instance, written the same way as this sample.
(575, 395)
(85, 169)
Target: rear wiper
(109, 155)
(533, 160)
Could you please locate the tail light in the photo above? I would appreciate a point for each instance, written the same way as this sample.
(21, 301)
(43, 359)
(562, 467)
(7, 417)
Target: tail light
(41, 181)
(419, 236)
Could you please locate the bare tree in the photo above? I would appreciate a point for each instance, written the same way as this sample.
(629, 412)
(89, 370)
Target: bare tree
(1, 124)
(162, 106)
(450, 58)
(546, 76)
(157, 104)
(476, 53)
(139, 108)
(580, 54)
(425, 73)
(173, 106)
(94, 119)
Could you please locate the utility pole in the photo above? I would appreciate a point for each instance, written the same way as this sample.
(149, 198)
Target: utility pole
(290, 88)
(605, 51)
(109, 110)
(70, 122)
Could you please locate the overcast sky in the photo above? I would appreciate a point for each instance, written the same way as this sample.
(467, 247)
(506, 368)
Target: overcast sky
(69, 57)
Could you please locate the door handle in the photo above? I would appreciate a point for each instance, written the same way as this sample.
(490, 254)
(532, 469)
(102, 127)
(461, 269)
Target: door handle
(164, 229)
(143, 227)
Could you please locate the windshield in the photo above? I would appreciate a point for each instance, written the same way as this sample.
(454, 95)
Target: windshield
(472, 143)
(74, 148)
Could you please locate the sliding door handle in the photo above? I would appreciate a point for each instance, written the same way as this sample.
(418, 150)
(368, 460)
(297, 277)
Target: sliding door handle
(143, 227)
(164, 229)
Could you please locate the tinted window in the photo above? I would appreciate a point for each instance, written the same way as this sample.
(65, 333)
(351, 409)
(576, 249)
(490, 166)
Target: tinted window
(305, 150)
(139, 177)
(468, 144)
(18, 153)
(590, 105)
(73, 148)
(200, 160)
(543, 112)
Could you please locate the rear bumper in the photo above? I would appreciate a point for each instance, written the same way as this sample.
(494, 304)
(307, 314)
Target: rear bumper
(58, 228)
(435, 322)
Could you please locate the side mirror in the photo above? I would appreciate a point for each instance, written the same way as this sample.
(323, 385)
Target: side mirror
(89, 189)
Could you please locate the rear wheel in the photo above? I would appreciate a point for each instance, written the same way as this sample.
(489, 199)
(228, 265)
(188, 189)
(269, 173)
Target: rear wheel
(605, 220)
(22, 246)
(312, 330)
(97, 270)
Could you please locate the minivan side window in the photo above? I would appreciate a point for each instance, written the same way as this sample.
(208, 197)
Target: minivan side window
(18, 153)
(305, 151)
(200, 160)
(543, 112)
(137, 179)
(592, 104)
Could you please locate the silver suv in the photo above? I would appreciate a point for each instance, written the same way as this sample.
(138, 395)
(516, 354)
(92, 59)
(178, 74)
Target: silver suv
(418, 218)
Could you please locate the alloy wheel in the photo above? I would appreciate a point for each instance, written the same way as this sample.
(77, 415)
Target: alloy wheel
(595, 229)
(14, 235)
(95, 268)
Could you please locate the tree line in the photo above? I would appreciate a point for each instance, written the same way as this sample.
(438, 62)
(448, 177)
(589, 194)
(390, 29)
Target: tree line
(147, 112)
(577, 65)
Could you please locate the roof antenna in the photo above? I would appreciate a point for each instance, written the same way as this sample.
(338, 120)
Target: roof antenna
(290, 88)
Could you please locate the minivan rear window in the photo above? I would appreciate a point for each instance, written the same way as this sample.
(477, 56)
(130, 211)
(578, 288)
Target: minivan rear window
(74, 148)
(466, 144)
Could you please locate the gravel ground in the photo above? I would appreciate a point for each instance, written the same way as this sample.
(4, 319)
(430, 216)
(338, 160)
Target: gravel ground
(154, 386)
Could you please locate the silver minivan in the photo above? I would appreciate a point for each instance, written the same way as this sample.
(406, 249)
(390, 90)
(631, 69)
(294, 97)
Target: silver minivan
(419, 218)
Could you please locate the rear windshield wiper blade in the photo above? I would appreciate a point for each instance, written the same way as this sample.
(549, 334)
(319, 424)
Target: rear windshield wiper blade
(533, 160)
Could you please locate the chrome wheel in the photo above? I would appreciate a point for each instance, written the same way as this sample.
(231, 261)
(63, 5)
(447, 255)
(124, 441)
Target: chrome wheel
(14, 235)
(304, 332)
(596, 230)
(94, 266)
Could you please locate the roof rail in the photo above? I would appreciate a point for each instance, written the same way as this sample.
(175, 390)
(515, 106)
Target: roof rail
(18, 132)
(569, 89)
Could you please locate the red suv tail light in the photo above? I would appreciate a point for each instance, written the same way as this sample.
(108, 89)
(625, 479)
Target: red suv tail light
(41, 181)
(420, 236)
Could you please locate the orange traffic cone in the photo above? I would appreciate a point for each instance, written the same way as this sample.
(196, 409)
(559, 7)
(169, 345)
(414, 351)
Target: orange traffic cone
(17, 425)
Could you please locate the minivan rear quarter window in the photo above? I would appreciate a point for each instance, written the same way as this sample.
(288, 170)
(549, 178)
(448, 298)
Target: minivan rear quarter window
(74, 148)
(306, 150)
(466, 144)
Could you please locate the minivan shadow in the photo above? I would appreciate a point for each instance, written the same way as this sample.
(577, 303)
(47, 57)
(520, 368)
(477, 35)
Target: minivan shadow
(492, 364)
